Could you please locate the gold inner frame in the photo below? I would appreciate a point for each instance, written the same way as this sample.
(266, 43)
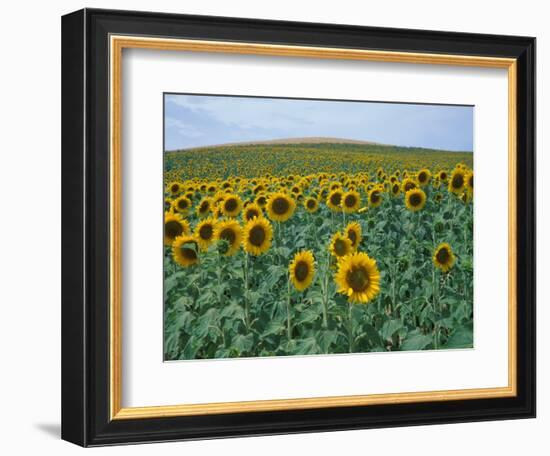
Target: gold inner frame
(117, 44)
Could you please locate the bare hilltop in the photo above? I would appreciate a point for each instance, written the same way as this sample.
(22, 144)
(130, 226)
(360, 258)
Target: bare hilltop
(301, 140)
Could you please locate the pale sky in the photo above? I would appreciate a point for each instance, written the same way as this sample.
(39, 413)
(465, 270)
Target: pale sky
(197, 120)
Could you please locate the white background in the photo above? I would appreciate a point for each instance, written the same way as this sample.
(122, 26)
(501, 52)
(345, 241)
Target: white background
(147, 74)
(30, 241)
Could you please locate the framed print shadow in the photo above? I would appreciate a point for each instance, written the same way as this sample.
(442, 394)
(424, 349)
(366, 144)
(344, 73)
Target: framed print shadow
(270, 227)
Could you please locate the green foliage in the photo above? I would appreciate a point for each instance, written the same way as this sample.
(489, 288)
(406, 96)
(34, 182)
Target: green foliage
(239, 306)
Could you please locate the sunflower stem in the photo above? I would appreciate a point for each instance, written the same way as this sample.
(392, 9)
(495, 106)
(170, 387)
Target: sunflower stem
(288, 324)
(392, 272)
(325, 291)
(245, 277)
(343, 219)
(350, 327)
(436, 305)
(219, 270)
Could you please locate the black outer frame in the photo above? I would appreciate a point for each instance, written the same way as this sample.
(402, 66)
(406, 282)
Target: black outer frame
(85, 227)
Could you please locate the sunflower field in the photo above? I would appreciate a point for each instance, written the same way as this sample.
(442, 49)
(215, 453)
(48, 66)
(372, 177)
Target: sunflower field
(298, 249)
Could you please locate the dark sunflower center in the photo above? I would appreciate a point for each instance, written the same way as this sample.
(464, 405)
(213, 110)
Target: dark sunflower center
(471, 181)
(204, 206)
(458, 181)
(228, 235)
(409, 186)
(336, 198)
(295, 190)
(352, 236)
(173, 229)
(415, 200)
(443, 176)
(358, 279)
(206, 231)
(375, 197)
(174, 188)
(340, 247)
(251, 213)
(311, 204)
(280, 206)
(442, 255)
(395, 188)
(261, 200)
(257, 235)
(301, 271)
(211, 189)
(188, 252)
(350, 201)
(422, 177)
(231, 204)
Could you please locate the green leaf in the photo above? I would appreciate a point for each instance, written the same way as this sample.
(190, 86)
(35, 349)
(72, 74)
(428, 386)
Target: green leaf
(309, 315)
(416, 342)
(306, 346)
(233, 310)
(273, 327)
(242, 343)
(326, 339)
(372, 335)
(463, 337)
(210, 318)
(390, 328)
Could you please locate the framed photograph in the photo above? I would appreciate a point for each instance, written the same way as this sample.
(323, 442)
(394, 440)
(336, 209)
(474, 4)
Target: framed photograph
(271, 227)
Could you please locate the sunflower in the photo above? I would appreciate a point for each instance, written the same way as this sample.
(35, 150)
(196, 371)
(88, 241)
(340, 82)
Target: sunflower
(252, 210)
(261, 200)
(280, 207)
(408, 184)
(375, 197)
(415, 199)
(443, 257)
(174, 226)
(351, 201)
(466, 197)
(438, 197)
(204, 233)
(231, 205)
(302, 270)
(204, 207)
(443, 176)
(231, 232)
(182, 205)
(358, 277)
(469, 180)
(334, 199)
(457, 181)
(423, 177)
(311, 204)
(167, 204)
(257, 236)
(174, 188)
(395, 189)
(353, 232)
(340, 245)
(185, 250)
(258, 189)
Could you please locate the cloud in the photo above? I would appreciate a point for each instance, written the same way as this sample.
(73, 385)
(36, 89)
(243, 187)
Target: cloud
(183, 129)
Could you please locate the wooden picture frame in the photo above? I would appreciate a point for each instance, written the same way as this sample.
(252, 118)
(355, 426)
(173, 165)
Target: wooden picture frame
(92, 45)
